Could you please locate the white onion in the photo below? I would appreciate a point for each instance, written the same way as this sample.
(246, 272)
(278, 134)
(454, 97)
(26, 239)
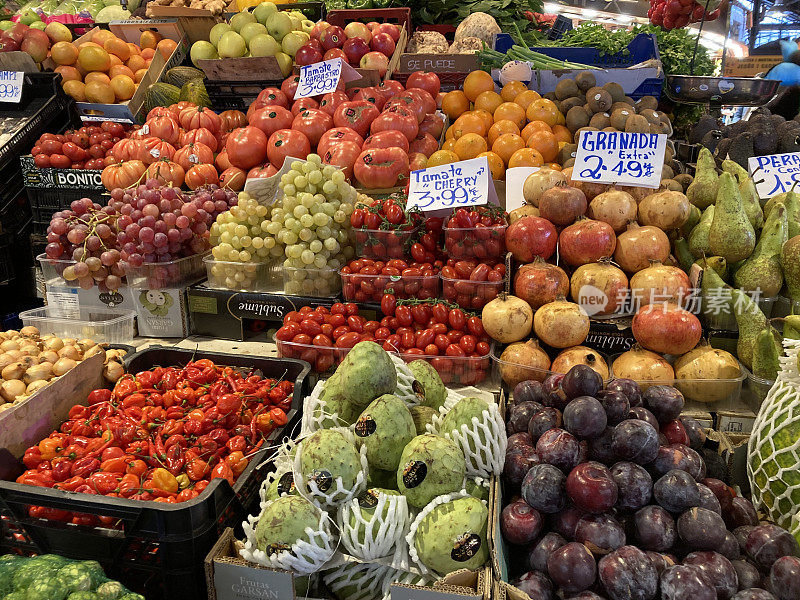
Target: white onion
(63, 365)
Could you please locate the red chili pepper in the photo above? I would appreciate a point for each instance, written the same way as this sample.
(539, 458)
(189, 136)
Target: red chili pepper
(62, 469)
(32, 457)
(175, 459)
(72, 484)
(85, 466)
(98, 396)
(222, 470)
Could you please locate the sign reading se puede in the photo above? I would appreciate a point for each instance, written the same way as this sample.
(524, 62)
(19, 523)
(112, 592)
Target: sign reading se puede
(323, 77)
(11, 86)
(774, 174)
(455, 185)
(634, 159)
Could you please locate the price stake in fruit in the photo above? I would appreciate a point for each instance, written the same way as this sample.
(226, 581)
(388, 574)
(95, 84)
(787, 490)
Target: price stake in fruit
(774, 174)
(455, 185)
(634, 159)
(11, 86)
(323, 77)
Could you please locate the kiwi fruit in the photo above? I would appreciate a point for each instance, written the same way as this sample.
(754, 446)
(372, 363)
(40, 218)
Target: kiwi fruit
(654, 128)
(568, 163)
(670, 184)
(650, 115)
(600, 120)
(620, 116)
(667, 172)
(624, 105)
(587, 128)
(577, 117)
(684, 179)
(629, 100)
(570, 102)
(616, 91)
(585, 80)
(566, 88)
(566, 152)
(646, 102)
(599, 100)
(550, 96)
(637, 124)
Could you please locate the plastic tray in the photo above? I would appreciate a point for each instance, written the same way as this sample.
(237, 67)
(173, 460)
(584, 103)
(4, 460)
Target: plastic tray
(160, 548)
(470, 294)
(51, 190)
(321, 358)
(468, 242)
(317, 283)
(383, 244)
(726, 321)
(101, 324)
(528, 373)
(457, 370)
(371, 288)
(15, 213)
(178, 273)
(6, 266)
(52, 268)
(243, 277)
(759, 387)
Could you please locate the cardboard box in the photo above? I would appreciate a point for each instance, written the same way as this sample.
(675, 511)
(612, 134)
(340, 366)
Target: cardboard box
(749, 66)
(230, 577)
(436, 63)
(161, 313)
(74, 297)
(699, 413)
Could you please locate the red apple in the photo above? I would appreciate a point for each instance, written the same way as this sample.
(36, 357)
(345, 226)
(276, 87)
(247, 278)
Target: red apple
(530, 237)
(316, 44)
(335, 53)
(317, 30)
(586, 241)
(372, 25)
(332, 37)
(382, 42)
(390, 28)
(8, 44)
(666, 328)
(355, 48)
(307, 55)
(539, 283)
(358, 30)
(375, 61)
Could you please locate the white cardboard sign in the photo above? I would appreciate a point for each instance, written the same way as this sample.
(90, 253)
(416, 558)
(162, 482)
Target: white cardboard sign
(323, 77)
(774, 174)
(11, 86)
(634, 159)
(454, 185)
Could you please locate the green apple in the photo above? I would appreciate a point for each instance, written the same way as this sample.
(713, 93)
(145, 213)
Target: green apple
(231, 45)
(241, 19)
(216, 32)
(278, 25)
(263, 10)
(202, 50)
(251, 30)
(285, 62)
(307, 26)
(264, 45)
(291, 42)
(29, 17)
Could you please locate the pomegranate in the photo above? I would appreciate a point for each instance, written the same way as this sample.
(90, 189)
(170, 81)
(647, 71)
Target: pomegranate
(615, 207)
(561, 324)
(666, 210)
(642, 366)
(539, 283)
(600, 288)
(529, 237)
(507, 318)
(523, 361)
(666, 327)
(586, 241)
(539, 182)
(660, 283)
(580, 355)
(589, 189)
(562, 204)
(637, 246)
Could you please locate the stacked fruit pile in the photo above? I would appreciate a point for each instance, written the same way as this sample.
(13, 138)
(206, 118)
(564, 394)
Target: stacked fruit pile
(89, 147)
(368, 47)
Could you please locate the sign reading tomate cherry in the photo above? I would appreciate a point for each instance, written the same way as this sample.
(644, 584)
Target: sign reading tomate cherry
(634, 159)
(323, 77)
(455, 185)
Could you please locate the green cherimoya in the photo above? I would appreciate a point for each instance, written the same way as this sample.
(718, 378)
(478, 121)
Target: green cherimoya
(384, 428)
(430, 466)
(283, 523)
(366, 373)
(334, 401)
(477, 487)
(282, 485)
(452, 536)
(422, 415)
(326, 455)
(462, 414)
(432, 389)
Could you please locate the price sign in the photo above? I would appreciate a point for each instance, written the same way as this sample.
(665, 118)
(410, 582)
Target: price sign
(323, 77)
(456, 185)
(775, 174)
(634, 159)
(11, 86)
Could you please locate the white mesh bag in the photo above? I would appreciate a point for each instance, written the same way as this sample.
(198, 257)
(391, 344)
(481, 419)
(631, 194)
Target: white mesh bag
(369, 536)
(773, 452)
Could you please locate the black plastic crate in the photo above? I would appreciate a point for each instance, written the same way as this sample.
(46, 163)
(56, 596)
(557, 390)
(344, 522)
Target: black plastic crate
(15, 212)
(236, 95)
(160, 548)
(6, 263)
(51, 190)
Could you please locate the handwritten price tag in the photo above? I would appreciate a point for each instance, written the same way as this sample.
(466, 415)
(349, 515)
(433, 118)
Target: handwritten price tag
(774, 174)
(634, 159)
(456, 185)
(11, 86)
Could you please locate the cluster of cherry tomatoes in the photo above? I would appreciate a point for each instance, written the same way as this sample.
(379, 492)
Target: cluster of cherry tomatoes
(86, 148)
(453, 341)
(367, 280)
(472, 284)
(675, 14)
(478, 232)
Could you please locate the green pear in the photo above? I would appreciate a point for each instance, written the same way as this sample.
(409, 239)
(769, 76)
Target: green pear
(683, 254)
(747, 189)
(698, 238)
(790, 261)
(766, 357)
(217, 31)
(751, 322)
(694, 218)
(779, 199)
(715, 294)
(251, 30)
(762, 270)
(702, 192)
(731, 235)
(791, 327)
(719, 264)
(263, 10)
(240, 19)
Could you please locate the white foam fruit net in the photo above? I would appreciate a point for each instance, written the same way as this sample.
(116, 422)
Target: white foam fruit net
(369, 581)
(303, 558)
(773, 452)
(316, 414)
(483, 443)
(405, 381)
(376, 536)
(338, 493)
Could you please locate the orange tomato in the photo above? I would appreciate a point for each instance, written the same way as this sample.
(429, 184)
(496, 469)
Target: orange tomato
(526, 157)
(501, 127)
(454, 104)
(545, 143)
(148, 53)
(511, 90)
(469, 146)
(488, 101)
(166, 47)
(543, 110)
(506, 145)
(442, 157)
(496, 165)
(511, 111)
(469, 123)
(477, 82)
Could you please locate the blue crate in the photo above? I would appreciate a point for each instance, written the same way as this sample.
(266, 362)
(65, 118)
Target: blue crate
(643, 47)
